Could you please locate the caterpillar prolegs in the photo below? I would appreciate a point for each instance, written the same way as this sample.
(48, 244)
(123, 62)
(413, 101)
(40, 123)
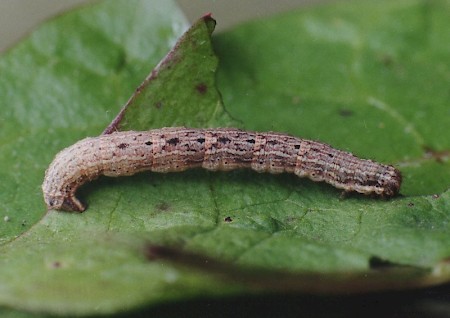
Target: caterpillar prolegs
(222, 149)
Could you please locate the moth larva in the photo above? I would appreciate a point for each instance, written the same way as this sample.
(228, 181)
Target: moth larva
(177, 149)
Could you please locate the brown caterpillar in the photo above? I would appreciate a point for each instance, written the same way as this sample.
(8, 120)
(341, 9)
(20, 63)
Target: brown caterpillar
(177, 149)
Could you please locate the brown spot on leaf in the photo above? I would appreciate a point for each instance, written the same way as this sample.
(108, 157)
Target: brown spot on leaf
(56, 264)
(158, 105)
(201, 88)
(228, 219)
(345, 112)
(163, 206)
(439, 156)
(387, 60)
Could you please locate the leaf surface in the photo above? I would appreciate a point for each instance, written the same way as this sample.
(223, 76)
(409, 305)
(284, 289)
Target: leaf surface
(347, 77)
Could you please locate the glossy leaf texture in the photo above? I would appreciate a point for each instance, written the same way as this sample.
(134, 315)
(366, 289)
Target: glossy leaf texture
(347, 76)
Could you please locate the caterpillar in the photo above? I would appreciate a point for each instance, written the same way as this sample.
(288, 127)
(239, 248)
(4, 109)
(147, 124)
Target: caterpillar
(179, 148)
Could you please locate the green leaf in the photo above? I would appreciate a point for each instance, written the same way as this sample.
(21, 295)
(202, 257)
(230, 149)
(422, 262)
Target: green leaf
(66, 82)
(180, 90)
(371, 78)
(51, 262)
(352, 76)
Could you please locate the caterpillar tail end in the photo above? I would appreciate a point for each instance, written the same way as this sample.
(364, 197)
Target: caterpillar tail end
(69, 204)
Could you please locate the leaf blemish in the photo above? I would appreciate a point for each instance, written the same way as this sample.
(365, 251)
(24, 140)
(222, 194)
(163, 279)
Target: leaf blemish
(158, 105)
(121, 61)
(345, 112)
(56, 264)
(163, 206)
(201, 88)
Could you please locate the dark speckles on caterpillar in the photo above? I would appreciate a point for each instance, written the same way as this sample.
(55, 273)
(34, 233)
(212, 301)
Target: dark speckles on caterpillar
(177, 149)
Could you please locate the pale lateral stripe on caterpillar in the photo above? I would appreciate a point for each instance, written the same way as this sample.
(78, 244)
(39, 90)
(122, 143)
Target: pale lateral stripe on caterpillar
(177, 149)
